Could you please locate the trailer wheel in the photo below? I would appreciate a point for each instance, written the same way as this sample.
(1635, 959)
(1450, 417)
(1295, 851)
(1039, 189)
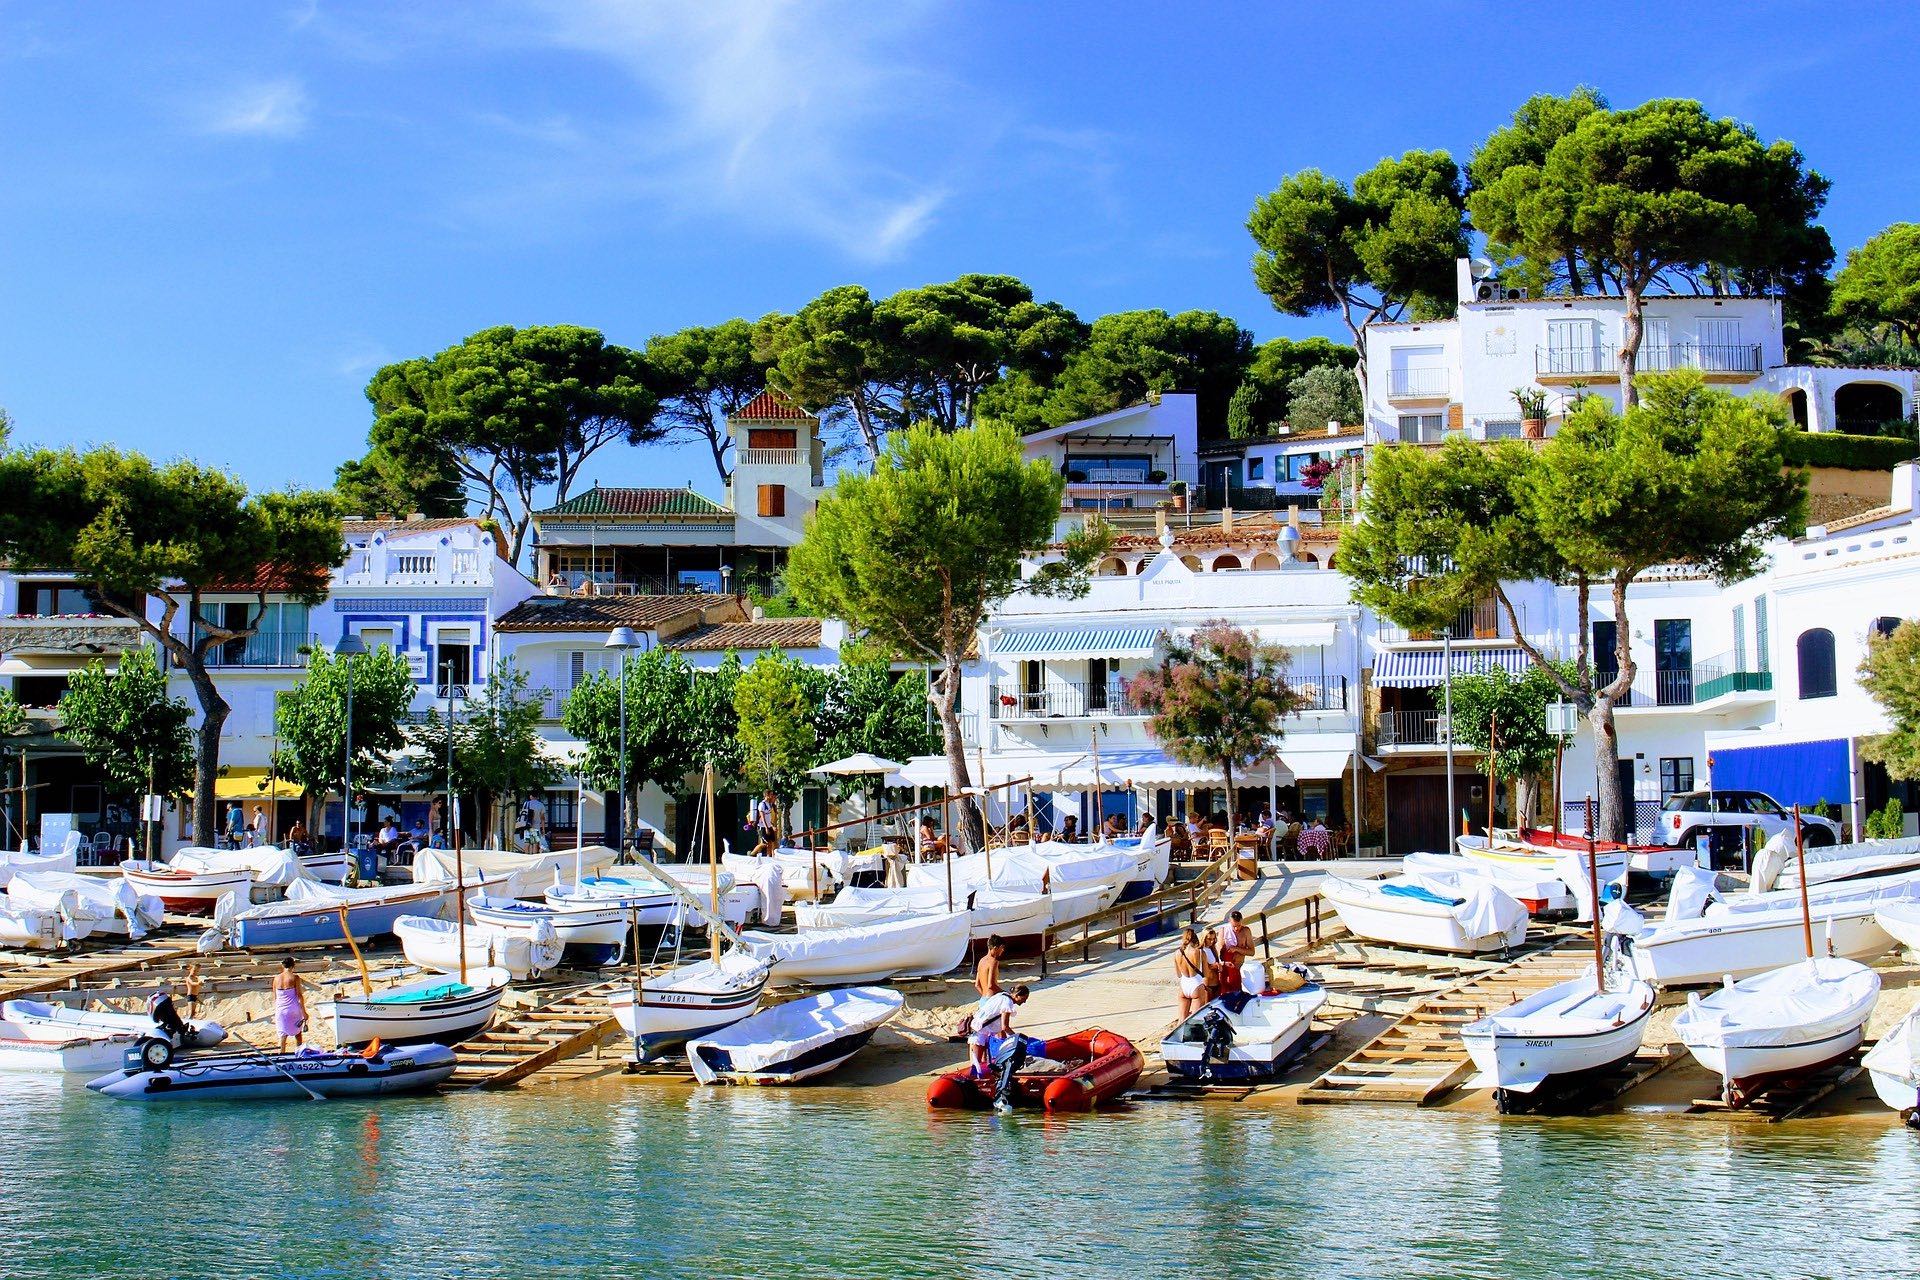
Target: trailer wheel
(156, 1054)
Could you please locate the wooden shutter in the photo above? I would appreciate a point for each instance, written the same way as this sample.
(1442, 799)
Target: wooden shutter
(1456, 417)
(771, 438)
(773, 500)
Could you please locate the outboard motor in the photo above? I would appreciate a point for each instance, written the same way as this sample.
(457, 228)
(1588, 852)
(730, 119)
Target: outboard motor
(1219, 1039)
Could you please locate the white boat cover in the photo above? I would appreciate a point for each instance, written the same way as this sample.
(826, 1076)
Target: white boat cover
(1574, 872)
(1693, 889)
(792, 1030)
(1776, 865)
(1481, 907)
(1515, 881)
(797, 866)
(521, 875)
(1902, 921)
(1812, 1000)
(433, 943)
(1898, 1053)
(270, 865)
(86, 902)
(67, 858)
(32, 927)
(767, 875)
(857, 906)
(916, 946)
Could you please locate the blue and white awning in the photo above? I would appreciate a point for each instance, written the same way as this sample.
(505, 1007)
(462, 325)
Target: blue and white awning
(1076, 642)
(1426, 668)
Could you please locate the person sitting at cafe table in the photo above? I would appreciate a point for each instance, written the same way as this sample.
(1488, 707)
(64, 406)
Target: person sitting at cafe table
(932, 844)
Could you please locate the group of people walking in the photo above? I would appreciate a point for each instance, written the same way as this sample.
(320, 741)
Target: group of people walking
(1215, 962)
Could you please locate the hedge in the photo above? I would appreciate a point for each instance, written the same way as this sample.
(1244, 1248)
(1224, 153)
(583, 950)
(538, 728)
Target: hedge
(1854, 453)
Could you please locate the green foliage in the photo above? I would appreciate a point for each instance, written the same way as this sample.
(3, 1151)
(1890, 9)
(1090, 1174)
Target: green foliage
(775, 727)
(1217, 701)
(1523, 145)
(660, 726)
(510, 411)
(1826, 809)
(1514, 707)
(1834, 449)
(1532, 402)
(1277, 362)
(1890, 673)
(1888, 823)
(1378, 251)
(713, 729)
(923, 354)
(702, 375)
(863, 706)
(917, 552)
(13, 717)
(381, 483)
(1126, 357)
(126, 726)
(1879, 287)
(497, 754)
(311, 719)
(1241, 422)
(1323, 394)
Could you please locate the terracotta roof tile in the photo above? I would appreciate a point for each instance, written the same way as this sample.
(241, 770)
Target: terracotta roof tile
(750, 637)
(269, 578)
(593, 613)
(770, 406)
(1846, 515)
(599, 501)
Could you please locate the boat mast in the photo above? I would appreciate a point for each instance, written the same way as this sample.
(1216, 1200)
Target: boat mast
(713, 863)
(1493, 746)
(1800, 855)
(1593, 887)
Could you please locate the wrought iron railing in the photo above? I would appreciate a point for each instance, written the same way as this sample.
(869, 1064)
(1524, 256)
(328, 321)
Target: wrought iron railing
(263, 649)
(1409, 729)
(1603, 359)
(1062, 700)
(1417, 384)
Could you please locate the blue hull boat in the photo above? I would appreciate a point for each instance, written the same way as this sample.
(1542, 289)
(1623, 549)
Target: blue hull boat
(316, 918)
(209, 1077)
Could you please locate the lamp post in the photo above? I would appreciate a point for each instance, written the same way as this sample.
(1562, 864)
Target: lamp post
(1563, 718)
(349, 647)
(1446, 722)
(624, 640)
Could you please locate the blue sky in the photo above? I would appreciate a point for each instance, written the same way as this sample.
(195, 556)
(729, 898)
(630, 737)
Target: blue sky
(217, 219)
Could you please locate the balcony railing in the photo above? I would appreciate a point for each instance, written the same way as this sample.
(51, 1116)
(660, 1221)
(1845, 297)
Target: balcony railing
(1409, 728)
(1321, 697)
(263, 649)
(1484, 620)
(1704, 681)
(1063, 700)
(770, 457)
(1603, 360)
(1417, 384)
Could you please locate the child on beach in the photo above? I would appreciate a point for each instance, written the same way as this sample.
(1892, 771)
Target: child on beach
(190, 984)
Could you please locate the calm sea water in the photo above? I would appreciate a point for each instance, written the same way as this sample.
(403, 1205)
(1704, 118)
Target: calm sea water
(644, 1180)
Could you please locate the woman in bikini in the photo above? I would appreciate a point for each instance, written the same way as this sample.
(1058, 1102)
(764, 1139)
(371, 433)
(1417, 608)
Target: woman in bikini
(1189, 966)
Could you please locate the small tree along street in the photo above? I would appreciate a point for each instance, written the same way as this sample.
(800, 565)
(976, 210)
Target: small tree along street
(155, 539)
(1218, 700)
(918, 552)
(1891, 674)
(310, 720)
(127, 727)
(1494, 704)
(776, 734)
(1689, 476)
(496, 750)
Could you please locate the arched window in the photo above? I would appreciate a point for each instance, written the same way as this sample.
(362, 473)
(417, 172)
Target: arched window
(1192, 562)
(1226, 562)
(1817, 678)
(1113, 567)
(1884, 627)
(1266, 560)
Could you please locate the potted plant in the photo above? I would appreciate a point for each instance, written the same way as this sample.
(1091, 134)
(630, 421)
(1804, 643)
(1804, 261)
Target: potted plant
(1156, 477)
(1178, 489)
(1533, 412)
(1077, 476)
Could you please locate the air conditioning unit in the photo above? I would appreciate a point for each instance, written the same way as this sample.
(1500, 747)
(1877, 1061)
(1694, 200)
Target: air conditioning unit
(1486, 291)
(1513, 293)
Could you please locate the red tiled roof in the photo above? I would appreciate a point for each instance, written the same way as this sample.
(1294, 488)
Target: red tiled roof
(358, 526)
(769, 406)
(598, 613)
(267, 578)
(750, 637)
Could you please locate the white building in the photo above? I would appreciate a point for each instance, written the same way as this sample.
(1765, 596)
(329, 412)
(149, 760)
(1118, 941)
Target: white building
(1427, 380)
(1124, 460)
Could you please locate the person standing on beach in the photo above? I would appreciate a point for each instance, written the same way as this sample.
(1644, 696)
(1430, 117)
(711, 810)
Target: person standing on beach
(1189, 966)
(190, 984)
(1236, 945)
(236, 825)
(986, 975)
(289, 1006)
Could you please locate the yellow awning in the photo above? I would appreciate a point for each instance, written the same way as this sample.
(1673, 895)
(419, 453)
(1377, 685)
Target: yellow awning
(254, 783)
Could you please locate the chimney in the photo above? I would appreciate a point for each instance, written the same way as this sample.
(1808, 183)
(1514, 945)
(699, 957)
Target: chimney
(1226, 519)
(1293, 514)
(1333, 426)
(415, 517)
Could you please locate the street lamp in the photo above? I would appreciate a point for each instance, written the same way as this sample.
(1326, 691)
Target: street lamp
(349, 647)
(1563, 721)
(623, 639)
(1446, 723)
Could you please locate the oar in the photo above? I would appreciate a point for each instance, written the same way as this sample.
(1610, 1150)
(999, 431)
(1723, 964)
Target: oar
(261, 1054)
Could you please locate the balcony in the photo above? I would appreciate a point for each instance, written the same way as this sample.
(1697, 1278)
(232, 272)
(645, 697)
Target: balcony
(1483, 620)
(769, 458)
(262, 650)
(1735, 362)
(1320, 697)
(1722, 681)
(1417, 384)
(1064, 700)
(1409, 729)
(28, 635)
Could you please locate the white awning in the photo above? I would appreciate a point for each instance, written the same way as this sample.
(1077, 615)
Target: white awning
(1064, 771)
(1076, 642)
(1297, 635)
(1425, 668)
(1315, 766)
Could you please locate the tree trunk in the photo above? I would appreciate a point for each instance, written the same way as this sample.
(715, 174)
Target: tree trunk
(1526, 801)
(206, 748)
(1228, 771)
(1574, 284)
(946, 700)
(1630, 334)
(1613, 821)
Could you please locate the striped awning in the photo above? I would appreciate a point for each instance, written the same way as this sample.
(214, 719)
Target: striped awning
(1426, 668)
(1076, 642)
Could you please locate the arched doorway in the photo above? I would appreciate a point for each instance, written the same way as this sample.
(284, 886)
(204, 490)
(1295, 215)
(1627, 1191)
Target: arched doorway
(1795, 399)
(1866, 408)
(1266, 560)
(1225, 562)
(1113, 567)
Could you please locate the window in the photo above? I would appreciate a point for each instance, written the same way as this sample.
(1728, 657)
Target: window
(53, 599)
(1762, 640)
(279, 633)
(1739, 637)
(1817, 676)
(376, 637)
(1422, 428)
(1501, 428)
(1676, 775)
(1673, 661)
(1256, 468)
(1415, 372)
(415, 564)
(1110, 468)
(771, 438)
(1573, 346)
(1605, 637)
(453, 657)
(773, 500)
(1884, 627)
(39, 692)
(1720, 348)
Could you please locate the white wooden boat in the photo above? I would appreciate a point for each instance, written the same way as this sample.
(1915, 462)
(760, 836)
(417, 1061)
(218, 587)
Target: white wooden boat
(1894, 1065)
(1739, 940)
(1517, 855)
(434, 1009)
(433, 943)
(510, 873)
(1012, 915)
(1780, 1025)
(693, 1000)
(47, 1020)
(87, 905)
(33, 928)
(797, 1041)
(271, 865)
(81, 1055)
(1570, 1029)
(598, 928)
(1242, 1037)
(916, 946)
(1901, 920)
(1539, 891)
(184, 890)
(1478, 918)
(1777, 867)
(654, 903)
(765, 879)
(66, 858)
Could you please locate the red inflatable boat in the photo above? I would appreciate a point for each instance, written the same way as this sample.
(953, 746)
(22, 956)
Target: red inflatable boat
(1082, 1071)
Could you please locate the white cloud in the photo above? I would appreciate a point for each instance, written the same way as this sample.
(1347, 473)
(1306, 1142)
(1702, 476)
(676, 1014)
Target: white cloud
(262, 108)
(815, 118)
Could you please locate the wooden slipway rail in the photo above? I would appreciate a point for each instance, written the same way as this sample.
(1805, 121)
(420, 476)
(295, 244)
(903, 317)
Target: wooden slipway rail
(82, 969)
(532, 1040)
(1420, 1058)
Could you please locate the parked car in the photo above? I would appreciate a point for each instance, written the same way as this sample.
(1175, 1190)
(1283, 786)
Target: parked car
(1727, 817)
